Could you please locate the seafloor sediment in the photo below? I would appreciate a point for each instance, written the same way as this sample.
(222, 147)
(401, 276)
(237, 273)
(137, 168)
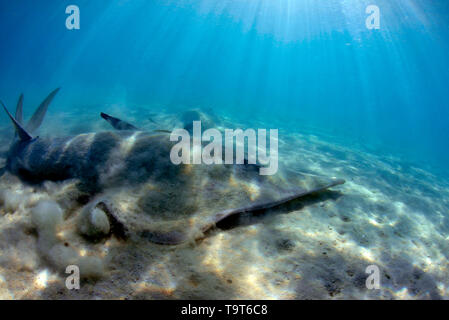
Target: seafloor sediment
(387, 214)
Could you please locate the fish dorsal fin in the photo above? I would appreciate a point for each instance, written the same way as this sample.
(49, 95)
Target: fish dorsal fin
(39, 114)
(116, 123)
(19, 110)
(21, 132)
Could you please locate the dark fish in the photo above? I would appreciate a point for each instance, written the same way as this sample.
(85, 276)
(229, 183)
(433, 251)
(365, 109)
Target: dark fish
(165, 203)
(117, 123)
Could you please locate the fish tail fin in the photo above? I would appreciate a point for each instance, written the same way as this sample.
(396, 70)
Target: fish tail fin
(39, 114)
(19, 110)
(20, 131)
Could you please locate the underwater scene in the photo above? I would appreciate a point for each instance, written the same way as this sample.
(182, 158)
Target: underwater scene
(224, 149)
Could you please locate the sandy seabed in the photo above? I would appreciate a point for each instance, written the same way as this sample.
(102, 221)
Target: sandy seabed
(386, 214)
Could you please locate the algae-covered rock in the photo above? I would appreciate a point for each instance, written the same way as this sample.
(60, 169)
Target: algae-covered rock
(93, 222)
(46, 216)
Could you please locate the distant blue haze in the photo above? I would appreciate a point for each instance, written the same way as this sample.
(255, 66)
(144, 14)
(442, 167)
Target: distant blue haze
(304, 63)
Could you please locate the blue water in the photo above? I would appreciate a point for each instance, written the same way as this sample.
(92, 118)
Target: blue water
(299, 63)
